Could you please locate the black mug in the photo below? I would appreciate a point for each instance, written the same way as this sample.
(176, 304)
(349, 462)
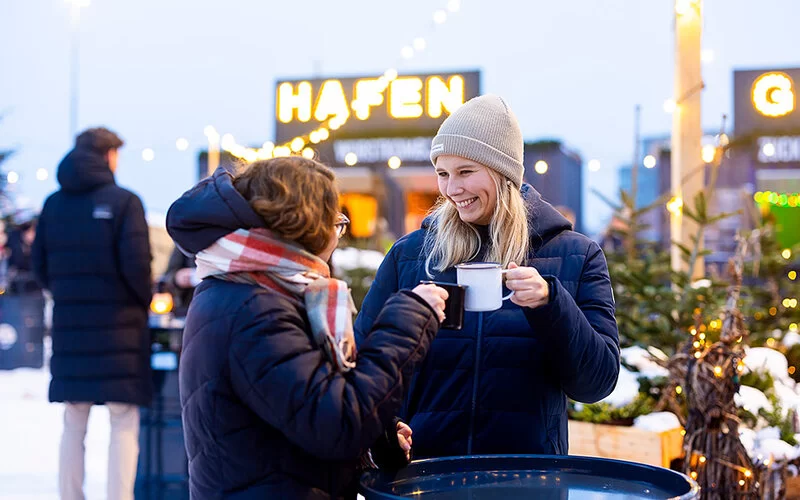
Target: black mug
(453, 306)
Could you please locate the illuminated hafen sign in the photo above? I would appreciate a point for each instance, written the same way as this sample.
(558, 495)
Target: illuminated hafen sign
(371, 106)
(765, 102)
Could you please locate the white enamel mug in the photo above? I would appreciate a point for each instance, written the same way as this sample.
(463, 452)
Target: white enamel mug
(484, 282)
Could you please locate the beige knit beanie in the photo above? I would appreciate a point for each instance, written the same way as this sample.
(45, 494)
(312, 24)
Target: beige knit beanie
(483, 130)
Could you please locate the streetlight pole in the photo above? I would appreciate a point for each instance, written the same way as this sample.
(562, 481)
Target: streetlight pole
(686, 178)
(74, 64)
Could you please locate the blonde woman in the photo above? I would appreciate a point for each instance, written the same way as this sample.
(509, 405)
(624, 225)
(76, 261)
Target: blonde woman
(501, 383)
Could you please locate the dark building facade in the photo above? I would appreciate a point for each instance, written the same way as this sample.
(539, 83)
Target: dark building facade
(557, 173)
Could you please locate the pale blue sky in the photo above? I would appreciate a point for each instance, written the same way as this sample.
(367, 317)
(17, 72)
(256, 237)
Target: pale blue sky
(156, 70)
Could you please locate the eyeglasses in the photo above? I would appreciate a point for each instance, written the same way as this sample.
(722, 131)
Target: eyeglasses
(341, 224)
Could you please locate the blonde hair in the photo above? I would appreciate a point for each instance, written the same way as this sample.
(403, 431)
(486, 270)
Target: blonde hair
(450, 241)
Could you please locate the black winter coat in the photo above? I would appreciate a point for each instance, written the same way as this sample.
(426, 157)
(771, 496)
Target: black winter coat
(500, 384)
(264, 413)
(92, 251)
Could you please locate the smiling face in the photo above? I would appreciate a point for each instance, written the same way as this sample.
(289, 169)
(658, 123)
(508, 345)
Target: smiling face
(469, 186)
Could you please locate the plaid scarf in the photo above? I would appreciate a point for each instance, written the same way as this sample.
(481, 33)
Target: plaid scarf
(258, 257)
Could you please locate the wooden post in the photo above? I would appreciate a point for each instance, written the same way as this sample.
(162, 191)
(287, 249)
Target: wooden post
(687, 179)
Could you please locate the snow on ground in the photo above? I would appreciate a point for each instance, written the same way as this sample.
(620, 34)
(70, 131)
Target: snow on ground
(30, 432)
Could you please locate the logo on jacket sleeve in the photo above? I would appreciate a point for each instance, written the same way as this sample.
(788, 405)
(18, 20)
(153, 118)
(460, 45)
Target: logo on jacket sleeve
(102, 212)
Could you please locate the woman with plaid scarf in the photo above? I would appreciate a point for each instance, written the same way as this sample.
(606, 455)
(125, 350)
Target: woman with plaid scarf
(276, 402)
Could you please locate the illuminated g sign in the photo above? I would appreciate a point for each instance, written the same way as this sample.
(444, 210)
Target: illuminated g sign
(773, 94)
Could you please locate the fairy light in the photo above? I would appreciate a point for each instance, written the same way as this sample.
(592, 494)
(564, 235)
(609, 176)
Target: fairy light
(698, 354)
(675, 205)
(718, 371)
(702, 459)
(786, 254)
(792, 275)
(308, 153)
(678, 390)
(297, 144)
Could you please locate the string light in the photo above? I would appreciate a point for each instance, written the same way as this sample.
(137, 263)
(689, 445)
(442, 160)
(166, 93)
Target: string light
(322, 133)
(394, 162)
(649, 161)
(12, 177)
(777, 199)
(675, 205)
(541, 167)
(678, 390)
(148, 154)
(42, 174)
(718, 371)
(182, 144)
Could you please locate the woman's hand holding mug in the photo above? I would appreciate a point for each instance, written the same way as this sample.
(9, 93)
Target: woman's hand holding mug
(434, 296)
(530, 289)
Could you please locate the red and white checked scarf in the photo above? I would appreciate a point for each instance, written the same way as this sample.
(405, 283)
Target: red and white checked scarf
(257, 257)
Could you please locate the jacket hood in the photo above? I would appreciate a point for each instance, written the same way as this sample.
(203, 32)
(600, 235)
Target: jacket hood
(207, 212)
(83, 170)
(544, 221)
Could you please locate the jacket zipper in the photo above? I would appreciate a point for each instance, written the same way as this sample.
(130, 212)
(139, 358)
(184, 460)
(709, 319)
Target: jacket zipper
(475, 384)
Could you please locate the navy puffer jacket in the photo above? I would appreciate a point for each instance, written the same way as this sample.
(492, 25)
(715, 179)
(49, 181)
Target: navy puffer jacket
(500, 384)
(92, 251)
(264, 413)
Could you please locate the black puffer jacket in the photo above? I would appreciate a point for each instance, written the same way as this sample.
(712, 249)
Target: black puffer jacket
(92, 251)
(264, 413)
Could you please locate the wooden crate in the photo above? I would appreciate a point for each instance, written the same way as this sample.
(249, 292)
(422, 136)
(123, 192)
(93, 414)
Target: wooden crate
(625, 443)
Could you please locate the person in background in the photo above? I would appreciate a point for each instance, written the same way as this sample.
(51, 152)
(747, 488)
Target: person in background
(92, 252)
(276, 403)
(179, 279)
(500, 384)
(612, 239)
(20, 243)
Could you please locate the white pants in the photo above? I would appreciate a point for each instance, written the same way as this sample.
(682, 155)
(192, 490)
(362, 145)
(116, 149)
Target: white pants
(123, 450)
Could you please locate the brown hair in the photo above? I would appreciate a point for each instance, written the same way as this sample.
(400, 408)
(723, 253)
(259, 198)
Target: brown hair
(296, 197)
(99, 139)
